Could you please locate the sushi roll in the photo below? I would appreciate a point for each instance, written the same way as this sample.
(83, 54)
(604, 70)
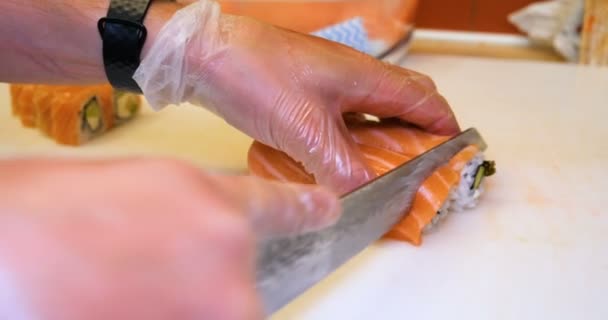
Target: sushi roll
(454, 187)
(75, 114)
(81, 114)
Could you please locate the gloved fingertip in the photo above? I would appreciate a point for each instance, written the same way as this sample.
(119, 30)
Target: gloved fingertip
(345, 183)
(448, 125)
(323, 208)
(277, 209)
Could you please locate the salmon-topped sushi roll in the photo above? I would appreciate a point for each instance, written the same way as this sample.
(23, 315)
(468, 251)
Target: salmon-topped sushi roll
(385, 145)
(73, 114)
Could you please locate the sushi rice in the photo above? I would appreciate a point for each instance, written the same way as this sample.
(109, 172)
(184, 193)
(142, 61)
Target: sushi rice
(466, 194)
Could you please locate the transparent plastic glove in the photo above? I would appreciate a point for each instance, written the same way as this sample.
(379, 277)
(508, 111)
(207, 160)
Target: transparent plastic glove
(285, 89)
(140, 239)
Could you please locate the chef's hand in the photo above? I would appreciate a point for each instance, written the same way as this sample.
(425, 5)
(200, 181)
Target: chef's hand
(285, 89)
(139, 239)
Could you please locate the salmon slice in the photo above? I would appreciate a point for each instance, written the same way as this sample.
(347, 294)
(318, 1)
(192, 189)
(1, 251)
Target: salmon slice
(385, 146)
(431, 196)
(273, 164)
(382, 160)
(400, 138)
(294, 15)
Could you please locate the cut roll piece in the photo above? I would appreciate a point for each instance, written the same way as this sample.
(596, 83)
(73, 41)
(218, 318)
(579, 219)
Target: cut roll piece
(79, 116)
(456, 186)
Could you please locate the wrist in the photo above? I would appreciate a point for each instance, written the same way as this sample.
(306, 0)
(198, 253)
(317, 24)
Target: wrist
(173, 60)
(159, 13)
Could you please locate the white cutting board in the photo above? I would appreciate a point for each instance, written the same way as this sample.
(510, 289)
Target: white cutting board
(535, 248)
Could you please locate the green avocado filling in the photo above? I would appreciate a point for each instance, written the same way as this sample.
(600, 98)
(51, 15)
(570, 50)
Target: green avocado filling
(92, 115)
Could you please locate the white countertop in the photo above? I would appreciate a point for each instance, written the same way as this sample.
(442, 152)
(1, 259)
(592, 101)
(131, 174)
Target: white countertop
(535, 248)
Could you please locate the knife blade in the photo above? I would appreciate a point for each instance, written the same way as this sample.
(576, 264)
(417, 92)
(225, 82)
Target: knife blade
(288, 266)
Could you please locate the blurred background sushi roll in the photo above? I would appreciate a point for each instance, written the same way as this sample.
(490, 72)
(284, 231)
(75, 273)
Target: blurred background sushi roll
(73, 115)
(82, 113)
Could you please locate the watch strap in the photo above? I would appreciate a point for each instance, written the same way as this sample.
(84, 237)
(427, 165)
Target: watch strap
(123, 35)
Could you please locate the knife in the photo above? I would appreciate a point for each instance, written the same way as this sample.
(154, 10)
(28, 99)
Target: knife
(288, 266)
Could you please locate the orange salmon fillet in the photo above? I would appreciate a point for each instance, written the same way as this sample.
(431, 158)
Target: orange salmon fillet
(382, 20)
(385, 146)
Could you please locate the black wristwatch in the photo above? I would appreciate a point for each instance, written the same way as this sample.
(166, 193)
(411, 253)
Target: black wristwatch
(123, 35)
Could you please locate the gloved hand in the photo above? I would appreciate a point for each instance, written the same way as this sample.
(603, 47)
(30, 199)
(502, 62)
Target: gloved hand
(285, 89)
(139, 239)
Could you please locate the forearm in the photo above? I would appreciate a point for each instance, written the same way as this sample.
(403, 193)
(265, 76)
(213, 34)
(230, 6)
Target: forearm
(57, 41)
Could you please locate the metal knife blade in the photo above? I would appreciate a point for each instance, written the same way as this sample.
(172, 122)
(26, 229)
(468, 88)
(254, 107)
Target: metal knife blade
(286, 267)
